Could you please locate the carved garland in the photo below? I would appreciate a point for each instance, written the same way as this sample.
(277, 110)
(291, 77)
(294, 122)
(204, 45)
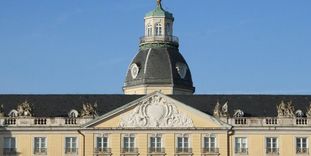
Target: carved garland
(156, 111)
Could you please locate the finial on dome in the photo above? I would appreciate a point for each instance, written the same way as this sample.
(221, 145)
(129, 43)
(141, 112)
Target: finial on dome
(159, 2)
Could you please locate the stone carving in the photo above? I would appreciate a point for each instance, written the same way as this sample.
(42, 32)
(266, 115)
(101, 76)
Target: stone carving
(1, 111)
(308, 113)
(238, 113)
(299, 113)
(24, 109)
(221, 111)
(285, 110)
(73, 113)
(181, 69)
(156, 111)
(88, 110)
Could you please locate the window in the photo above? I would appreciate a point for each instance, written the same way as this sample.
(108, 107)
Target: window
(301, 145)
(241, 145)
(40, 145)
(71, 145)
(149, 30)
(158, 29)
(209, 144)
(129, 144)
(155, 144)
(272, 145)
(168, 29)
(102, 144)
(183, 144)
(9, 145)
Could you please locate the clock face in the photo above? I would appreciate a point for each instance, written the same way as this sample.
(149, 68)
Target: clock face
(134, 70)
(181, 69)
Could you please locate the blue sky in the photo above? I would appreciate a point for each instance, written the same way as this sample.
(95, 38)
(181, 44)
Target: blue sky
(79, 46)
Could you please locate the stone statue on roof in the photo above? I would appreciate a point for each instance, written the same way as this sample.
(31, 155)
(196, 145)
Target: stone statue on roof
(308, 113)
(88, 110)
(285, 110)
(1, 111)
(24, 109)
(221, 111)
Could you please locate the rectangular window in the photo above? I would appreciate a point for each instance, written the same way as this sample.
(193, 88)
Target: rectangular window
(183, 144)
(272, 145)
(241, 145)
(155, 144)
(102, 144)
(210, 144)
(40, 145)
(71, 145)
(129, 145)
(301, 145)
(9, 145)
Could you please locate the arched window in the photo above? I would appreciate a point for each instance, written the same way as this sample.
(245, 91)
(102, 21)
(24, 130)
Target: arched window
(149, 30)
(158, 29)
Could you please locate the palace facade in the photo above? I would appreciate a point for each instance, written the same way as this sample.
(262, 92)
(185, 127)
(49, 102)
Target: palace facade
(158, 115)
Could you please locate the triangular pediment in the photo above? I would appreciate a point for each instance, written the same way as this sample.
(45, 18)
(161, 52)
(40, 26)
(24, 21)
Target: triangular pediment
(156, 111)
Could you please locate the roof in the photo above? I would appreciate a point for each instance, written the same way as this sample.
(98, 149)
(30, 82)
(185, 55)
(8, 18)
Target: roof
(159, 12)
(158, 66)
(60, 105)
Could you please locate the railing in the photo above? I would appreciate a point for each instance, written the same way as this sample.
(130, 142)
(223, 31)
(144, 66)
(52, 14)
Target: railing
(71, 150)
(129, 150)
(9, 151)
(302, 150)
(40, 151)
(164, 38)
(183, 150)
(102, 150)
(301, 121)
(240, 121)
(40, 121)
(241, 150)
(210, 150)
(9, 121)
(272, 151)
(156, 150)
(71, 121)
(271, 121)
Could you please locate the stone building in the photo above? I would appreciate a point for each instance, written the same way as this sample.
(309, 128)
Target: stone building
(158, 115)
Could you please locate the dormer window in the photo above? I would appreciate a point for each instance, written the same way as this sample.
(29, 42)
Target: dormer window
(149, 30)
(158, 29)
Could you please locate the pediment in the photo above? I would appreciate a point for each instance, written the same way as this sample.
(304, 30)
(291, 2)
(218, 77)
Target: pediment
(156, 111)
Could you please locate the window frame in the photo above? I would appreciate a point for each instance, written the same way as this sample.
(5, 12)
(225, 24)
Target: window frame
(40, 143)
(301, 148)
(76, 147)
(158, 29)
(274, 146)
(241, 142)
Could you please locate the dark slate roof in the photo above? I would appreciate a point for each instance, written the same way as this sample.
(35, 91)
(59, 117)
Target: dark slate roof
(60, 105)
(159, 68)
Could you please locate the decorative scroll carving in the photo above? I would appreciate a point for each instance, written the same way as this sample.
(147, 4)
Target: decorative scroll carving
(308, 113)
(238, 113)
(156, 111)
(24, 109)
(88, 110)
(221, 111)
(285, 110)
(1, 111)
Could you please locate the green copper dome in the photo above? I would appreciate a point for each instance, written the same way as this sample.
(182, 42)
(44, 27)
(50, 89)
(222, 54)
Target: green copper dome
(159, 11)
